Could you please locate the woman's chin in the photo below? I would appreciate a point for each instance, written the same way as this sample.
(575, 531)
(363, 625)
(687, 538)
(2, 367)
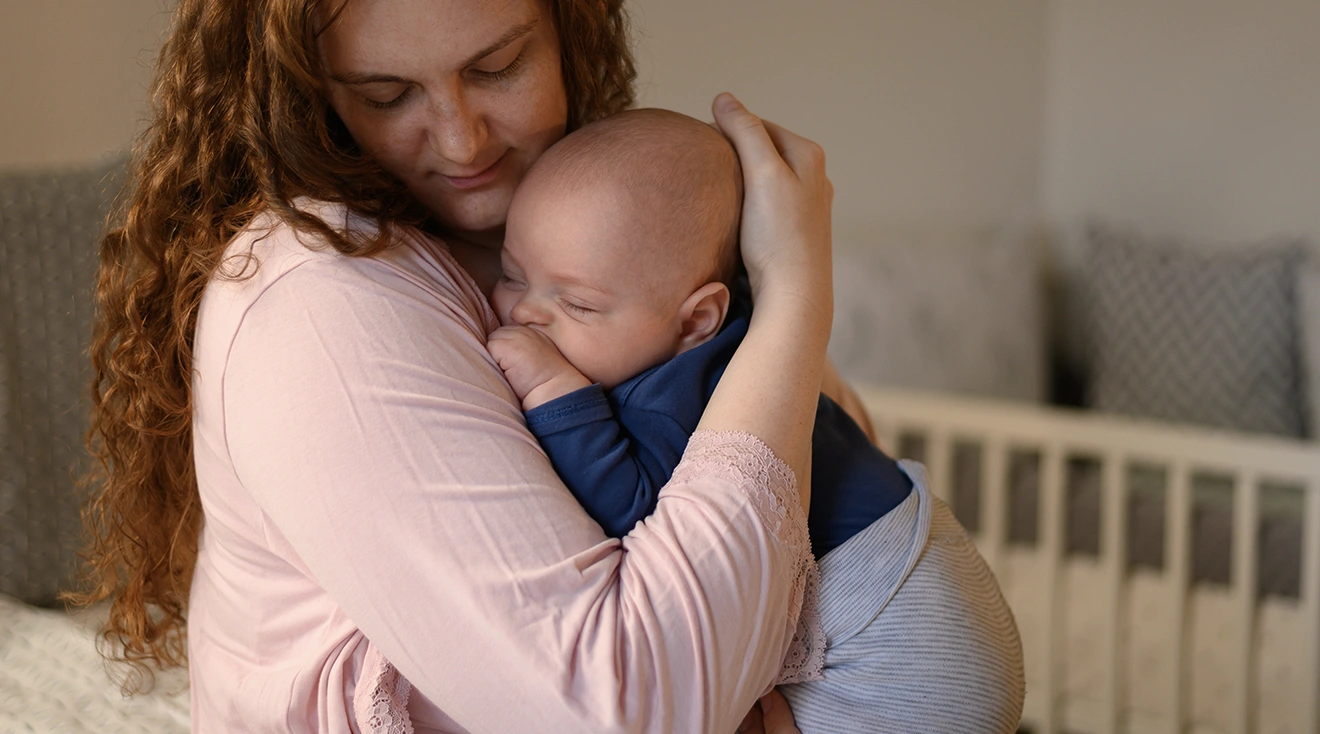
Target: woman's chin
(474, 214)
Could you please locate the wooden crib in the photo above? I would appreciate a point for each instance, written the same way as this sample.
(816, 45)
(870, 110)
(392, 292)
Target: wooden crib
(1104, 534)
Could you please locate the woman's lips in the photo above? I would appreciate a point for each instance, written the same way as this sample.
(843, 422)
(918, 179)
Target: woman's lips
(478, 179)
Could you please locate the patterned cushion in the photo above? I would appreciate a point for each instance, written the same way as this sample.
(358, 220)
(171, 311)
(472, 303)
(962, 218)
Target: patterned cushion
(50, 223)
(953, 311)
(1195, 335)
(1310, 314)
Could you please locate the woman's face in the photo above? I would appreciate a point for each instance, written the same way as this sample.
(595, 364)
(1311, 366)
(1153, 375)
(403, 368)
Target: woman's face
(457, 98)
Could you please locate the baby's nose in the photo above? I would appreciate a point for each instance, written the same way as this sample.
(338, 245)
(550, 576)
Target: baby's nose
(527, 313)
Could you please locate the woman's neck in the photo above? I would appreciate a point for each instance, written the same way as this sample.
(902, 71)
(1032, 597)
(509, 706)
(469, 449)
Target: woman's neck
(477, 252)
(481, 261)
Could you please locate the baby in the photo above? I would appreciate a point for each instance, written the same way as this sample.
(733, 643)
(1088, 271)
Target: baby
(620, 313)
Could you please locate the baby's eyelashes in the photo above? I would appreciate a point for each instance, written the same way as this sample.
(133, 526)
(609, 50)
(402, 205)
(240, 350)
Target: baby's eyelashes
(576, 308)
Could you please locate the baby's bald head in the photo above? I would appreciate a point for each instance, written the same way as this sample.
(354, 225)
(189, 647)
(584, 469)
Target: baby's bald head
(677, 185)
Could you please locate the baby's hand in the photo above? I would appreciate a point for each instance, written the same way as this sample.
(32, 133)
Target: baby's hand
(532, 364)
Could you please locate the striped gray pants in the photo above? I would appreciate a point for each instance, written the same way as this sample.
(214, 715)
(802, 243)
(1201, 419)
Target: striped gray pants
(918, 638)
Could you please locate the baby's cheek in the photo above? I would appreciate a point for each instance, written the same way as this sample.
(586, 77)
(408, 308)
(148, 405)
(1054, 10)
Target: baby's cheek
(501, 300)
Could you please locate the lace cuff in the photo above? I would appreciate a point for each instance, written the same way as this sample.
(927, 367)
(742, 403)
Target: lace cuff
(772, 488)
(380, 703)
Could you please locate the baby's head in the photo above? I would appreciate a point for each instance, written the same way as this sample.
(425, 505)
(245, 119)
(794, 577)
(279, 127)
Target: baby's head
(622, 241)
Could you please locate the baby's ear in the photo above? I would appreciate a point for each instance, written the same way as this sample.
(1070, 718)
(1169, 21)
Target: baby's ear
(703, 314)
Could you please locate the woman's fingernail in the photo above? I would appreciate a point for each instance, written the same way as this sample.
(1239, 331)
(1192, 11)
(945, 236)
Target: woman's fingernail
(728, 102)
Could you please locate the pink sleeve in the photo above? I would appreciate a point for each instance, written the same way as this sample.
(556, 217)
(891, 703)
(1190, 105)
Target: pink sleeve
(365, 418)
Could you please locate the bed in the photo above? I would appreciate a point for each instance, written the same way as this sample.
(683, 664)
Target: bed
(52, 679)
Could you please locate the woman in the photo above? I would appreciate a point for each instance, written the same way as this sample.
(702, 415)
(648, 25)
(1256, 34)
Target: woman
(307, 448)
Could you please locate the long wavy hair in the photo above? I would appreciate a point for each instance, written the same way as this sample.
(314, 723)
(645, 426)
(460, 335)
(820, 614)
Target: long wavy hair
(240, 125)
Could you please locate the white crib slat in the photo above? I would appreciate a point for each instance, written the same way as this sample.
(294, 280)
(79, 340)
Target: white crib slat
(1113, 554)
(1177, 570)
(994, 504)
(1310, 600)
(1051, 545)
(1246, 525)
(939, 463)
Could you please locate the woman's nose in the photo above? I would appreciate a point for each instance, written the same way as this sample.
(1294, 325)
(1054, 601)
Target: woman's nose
(458, 130)
(526, 313)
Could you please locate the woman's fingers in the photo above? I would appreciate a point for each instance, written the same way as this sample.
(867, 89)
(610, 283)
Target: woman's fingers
(776, 716)
(749, 135)
(803, 156)
(752, 723)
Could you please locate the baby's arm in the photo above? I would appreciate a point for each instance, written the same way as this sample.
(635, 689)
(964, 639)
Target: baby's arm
(600, 461)
(574, 423)
(532, 364)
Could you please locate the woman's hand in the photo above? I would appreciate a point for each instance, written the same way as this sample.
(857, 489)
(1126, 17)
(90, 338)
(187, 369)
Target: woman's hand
(772, 384)
(786, 206)
(770, 715)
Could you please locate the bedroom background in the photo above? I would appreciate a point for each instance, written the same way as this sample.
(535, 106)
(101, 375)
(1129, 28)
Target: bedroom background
(993, 162)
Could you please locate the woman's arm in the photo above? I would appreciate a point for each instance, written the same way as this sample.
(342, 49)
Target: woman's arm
(367, 421)
(771, 386)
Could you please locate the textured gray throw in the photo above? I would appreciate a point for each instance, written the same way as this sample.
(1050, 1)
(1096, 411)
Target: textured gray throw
(50, 226)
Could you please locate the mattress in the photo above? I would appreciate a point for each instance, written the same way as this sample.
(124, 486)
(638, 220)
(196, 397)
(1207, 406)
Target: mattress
(53, 680)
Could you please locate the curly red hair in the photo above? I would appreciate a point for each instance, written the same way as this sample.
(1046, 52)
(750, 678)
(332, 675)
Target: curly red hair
(240, 125)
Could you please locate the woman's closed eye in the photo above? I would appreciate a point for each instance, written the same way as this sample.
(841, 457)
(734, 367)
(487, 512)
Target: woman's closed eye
(500, 73)
(502, 64)
(386, 104)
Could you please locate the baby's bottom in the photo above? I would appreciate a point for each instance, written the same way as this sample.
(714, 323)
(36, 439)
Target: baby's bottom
(919, 638)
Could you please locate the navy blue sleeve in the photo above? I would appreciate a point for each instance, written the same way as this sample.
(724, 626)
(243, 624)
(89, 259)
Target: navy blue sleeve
(597, 459)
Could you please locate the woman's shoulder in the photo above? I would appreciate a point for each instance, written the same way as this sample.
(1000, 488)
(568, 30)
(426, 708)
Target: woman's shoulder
(271, 249)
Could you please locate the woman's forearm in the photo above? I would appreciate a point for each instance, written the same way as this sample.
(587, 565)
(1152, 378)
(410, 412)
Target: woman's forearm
(772, 385)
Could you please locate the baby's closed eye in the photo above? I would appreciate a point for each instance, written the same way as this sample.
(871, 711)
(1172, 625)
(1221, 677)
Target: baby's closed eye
(573, 307)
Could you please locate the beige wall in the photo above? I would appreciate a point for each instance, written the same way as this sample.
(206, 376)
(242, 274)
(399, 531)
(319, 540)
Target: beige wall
(1196, 118)
(75, 77)
(929, 110)
(1193, 117)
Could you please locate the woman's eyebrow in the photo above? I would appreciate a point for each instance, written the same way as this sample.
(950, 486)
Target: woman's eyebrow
(511, 35)
(354, 77)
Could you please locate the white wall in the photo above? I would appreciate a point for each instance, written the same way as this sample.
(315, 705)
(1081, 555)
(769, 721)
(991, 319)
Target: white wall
(1193, 118)
(928, 110)
(75, 77)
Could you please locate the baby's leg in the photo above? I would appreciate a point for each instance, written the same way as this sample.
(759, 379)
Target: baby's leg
(943, 654)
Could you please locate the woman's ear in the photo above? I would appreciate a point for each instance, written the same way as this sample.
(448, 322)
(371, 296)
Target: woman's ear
(703, 315)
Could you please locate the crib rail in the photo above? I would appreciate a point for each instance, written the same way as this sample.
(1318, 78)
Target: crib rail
(1114, 642)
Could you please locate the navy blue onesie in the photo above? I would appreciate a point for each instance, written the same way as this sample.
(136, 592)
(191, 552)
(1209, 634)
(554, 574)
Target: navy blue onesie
(616, 451)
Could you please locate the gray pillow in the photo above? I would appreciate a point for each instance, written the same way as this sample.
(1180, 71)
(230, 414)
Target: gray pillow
(1194, 335)
(50, 226)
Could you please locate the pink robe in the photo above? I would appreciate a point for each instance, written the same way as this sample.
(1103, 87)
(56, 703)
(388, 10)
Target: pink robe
(373, 503)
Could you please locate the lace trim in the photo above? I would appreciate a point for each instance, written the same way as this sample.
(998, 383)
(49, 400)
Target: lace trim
(805, 659)
(772, 487)
(767, 481)
(380, 703)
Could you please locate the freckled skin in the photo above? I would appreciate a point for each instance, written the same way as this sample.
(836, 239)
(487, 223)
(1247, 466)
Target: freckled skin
(468, 84)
